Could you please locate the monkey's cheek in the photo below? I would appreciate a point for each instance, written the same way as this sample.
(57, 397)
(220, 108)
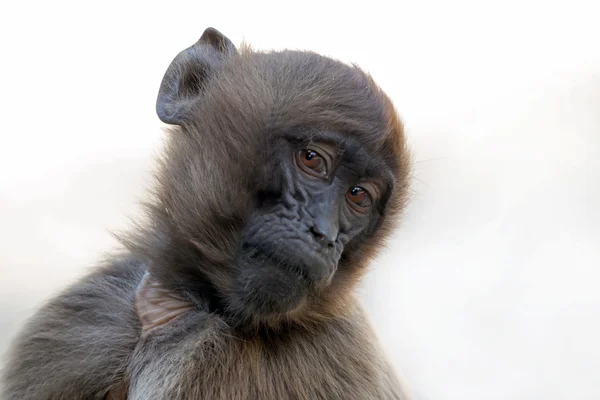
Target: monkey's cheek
(267, 290)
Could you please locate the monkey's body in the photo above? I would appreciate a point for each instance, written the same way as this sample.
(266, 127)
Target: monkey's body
(281, 177)
(282, 366)
(337, 360)
(199, 357)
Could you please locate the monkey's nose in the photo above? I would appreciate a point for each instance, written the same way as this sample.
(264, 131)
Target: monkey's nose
(324, 234)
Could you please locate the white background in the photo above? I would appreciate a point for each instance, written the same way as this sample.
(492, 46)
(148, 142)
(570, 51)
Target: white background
(489, 290)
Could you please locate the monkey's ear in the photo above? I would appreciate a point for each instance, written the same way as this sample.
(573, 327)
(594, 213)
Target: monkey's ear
(186, 76)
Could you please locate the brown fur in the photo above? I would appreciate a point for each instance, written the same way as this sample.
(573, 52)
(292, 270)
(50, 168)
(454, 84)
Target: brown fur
(335, 360)
(88, 339)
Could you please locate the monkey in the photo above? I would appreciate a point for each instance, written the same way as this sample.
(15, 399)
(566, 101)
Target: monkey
(282, 175)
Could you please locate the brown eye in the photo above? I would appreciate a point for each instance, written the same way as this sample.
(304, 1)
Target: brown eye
(311, 161)
(359, 198)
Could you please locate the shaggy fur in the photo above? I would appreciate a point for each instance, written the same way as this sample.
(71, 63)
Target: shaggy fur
(232, 110)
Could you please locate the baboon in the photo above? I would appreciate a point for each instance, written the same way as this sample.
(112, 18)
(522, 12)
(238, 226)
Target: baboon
(283, 173)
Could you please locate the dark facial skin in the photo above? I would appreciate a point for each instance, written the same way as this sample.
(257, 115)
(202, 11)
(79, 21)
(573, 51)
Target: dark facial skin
(293, 241)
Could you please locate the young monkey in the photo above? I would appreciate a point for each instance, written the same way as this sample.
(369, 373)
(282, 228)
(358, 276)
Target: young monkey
(283, 173)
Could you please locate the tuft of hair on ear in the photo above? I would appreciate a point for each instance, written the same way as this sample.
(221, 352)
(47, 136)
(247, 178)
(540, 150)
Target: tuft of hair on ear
(189, 71)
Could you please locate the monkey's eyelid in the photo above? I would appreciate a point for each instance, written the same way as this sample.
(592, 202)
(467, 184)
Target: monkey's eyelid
(299, 158)
(373, 189)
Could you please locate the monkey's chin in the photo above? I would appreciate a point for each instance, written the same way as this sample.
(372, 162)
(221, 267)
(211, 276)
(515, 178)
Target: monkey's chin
(267, 291)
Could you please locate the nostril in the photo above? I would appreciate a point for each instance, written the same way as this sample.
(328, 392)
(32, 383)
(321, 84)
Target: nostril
(319, 237)
(322, 239)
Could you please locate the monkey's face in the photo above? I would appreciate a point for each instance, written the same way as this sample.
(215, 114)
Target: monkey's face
(280, 180)
(321, 194)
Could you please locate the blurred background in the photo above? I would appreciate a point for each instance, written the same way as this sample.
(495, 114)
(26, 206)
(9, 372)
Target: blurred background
(489, 289)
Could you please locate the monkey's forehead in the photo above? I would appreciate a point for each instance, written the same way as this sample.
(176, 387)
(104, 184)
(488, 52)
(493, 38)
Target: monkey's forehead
(282, 91)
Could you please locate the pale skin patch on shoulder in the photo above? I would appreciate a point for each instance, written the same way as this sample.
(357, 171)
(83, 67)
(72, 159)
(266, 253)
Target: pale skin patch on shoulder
(155, 306)
(117, 393)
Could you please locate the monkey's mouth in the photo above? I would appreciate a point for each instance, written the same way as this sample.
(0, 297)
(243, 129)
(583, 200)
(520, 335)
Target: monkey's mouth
(297, 258)
(293, 269)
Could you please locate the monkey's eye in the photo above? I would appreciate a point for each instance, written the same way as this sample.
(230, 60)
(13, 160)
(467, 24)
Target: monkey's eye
(359, 199)
(312, 163)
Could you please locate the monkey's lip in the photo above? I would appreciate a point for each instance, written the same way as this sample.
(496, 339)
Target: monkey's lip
(305, 263)
(266, 258)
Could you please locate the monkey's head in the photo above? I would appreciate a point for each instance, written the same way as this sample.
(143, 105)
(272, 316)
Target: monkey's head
(282, 174)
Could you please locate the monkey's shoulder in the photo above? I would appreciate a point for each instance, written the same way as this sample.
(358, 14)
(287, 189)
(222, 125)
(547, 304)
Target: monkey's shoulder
(88, 330)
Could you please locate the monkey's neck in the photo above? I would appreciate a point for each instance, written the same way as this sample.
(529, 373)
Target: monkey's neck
(190, 284)
(177, 265)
